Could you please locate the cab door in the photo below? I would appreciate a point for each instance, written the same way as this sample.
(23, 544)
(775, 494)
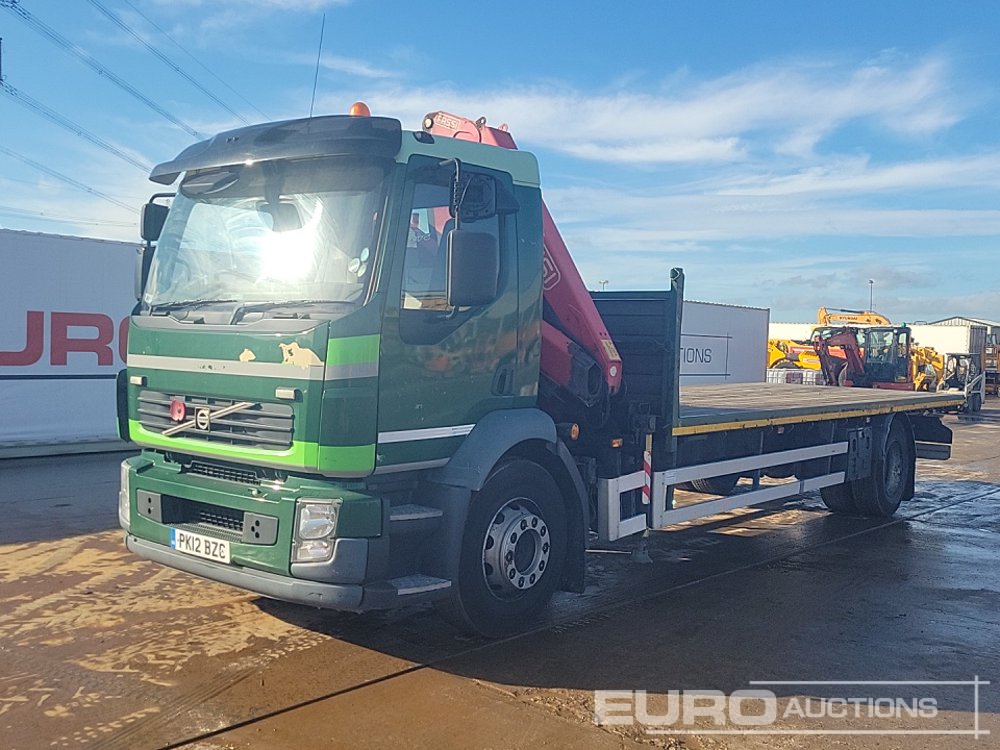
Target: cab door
(441, 368)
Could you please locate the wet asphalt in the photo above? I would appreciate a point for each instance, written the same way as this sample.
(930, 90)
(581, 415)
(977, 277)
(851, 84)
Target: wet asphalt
(100, 649)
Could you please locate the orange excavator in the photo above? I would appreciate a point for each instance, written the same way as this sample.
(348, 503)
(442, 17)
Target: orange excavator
(860, 348)
(926, 364)
(872, 357)
(796, 354)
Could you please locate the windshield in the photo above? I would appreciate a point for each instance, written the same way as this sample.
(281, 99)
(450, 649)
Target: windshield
(271, 232)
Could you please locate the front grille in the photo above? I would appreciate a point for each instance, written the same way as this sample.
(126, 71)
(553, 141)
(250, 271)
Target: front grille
(211, 520)
(263, 426)
(213, 515)
(232, 474)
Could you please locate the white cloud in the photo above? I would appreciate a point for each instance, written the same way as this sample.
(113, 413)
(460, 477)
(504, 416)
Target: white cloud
(691, 150)
(621, 218)
(282, 5)
(341, 64)
(857, 175)
(221, 17)
(785, 108)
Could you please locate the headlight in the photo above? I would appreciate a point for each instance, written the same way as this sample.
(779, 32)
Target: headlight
(317, 520)
(124, 507)
(314, 550)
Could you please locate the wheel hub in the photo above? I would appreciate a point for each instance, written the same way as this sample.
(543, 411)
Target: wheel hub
(893, 469)
(516, 549)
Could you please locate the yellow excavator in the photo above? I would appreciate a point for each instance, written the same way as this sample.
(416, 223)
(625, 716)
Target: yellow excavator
(790, 354)
(926, 364)
(927, 367)
(837, 316)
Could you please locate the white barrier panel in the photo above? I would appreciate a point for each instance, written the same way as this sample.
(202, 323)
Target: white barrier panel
(723, 343)
(64, 307)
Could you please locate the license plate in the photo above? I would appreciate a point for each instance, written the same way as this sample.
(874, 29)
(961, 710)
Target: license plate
(199, 546)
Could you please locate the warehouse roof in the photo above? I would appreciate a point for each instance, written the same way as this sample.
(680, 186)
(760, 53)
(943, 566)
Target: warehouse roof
(960, 320)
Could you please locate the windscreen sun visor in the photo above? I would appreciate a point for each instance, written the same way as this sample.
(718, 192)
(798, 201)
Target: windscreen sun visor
(334, 135)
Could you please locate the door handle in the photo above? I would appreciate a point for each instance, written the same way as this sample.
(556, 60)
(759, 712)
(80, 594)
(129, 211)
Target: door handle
(503, 381)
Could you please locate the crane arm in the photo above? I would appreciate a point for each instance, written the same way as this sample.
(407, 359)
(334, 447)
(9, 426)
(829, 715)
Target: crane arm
(847, 340)
(576, 341)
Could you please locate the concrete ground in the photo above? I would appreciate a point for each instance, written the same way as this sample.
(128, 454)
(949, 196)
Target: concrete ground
(102, 650)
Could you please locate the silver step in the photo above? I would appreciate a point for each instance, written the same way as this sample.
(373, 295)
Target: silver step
(418, 583)
(414, 512)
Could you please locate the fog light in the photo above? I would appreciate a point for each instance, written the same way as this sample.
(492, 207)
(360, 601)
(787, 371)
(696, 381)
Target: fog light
(124, 506)
(313, 550)
(317, 520)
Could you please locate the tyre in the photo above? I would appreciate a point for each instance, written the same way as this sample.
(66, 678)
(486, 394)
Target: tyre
(975, 402)
(785, 364)
(513, 550)
(880, 493)
(839, 499)
(715, 485)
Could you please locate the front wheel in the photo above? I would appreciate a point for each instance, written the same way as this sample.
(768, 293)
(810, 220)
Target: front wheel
(513, 550)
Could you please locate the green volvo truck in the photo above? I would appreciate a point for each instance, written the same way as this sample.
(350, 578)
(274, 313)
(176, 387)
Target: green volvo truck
(355, 386)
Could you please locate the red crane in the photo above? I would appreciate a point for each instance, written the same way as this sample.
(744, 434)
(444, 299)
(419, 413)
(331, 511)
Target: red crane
(577, 351)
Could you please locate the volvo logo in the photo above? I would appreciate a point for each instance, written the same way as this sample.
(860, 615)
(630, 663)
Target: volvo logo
(203, 418)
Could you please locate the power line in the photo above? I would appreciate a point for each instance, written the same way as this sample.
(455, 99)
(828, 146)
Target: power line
(64, 122)
(117, 21)
(207, 69)
(14, 7)
(68, 180)
(44, 216)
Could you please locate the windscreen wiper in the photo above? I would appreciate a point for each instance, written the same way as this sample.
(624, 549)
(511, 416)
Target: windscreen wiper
(242, 310)
(165, 307)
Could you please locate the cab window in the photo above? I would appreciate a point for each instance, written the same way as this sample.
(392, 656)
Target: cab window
(425, 315)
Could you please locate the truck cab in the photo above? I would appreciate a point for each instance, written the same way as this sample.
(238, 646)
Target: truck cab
(331, 307)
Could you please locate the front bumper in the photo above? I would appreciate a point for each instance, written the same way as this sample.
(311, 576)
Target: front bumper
(312, 593)
(384, 594)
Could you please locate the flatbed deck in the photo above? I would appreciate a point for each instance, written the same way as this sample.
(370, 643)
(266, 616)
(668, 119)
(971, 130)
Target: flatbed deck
(733, 406)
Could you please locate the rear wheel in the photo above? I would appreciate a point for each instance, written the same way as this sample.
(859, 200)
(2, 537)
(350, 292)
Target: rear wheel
(975, 402)
(880, 493)
(716, 485)
(840, 499)
(513, 550)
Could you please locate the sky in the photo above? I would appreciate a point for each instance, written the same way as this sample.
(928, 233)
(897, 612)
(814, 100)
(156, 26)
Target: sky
(782, 152)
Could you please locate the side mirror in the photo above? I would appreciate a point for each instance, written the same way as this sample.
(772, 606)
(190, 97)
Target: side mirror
(151, 222)
(473, 268)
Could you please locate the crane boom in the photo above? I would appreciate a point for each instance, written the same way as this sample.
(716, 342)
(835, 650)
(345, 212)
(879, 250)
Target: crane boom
(577, 350)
